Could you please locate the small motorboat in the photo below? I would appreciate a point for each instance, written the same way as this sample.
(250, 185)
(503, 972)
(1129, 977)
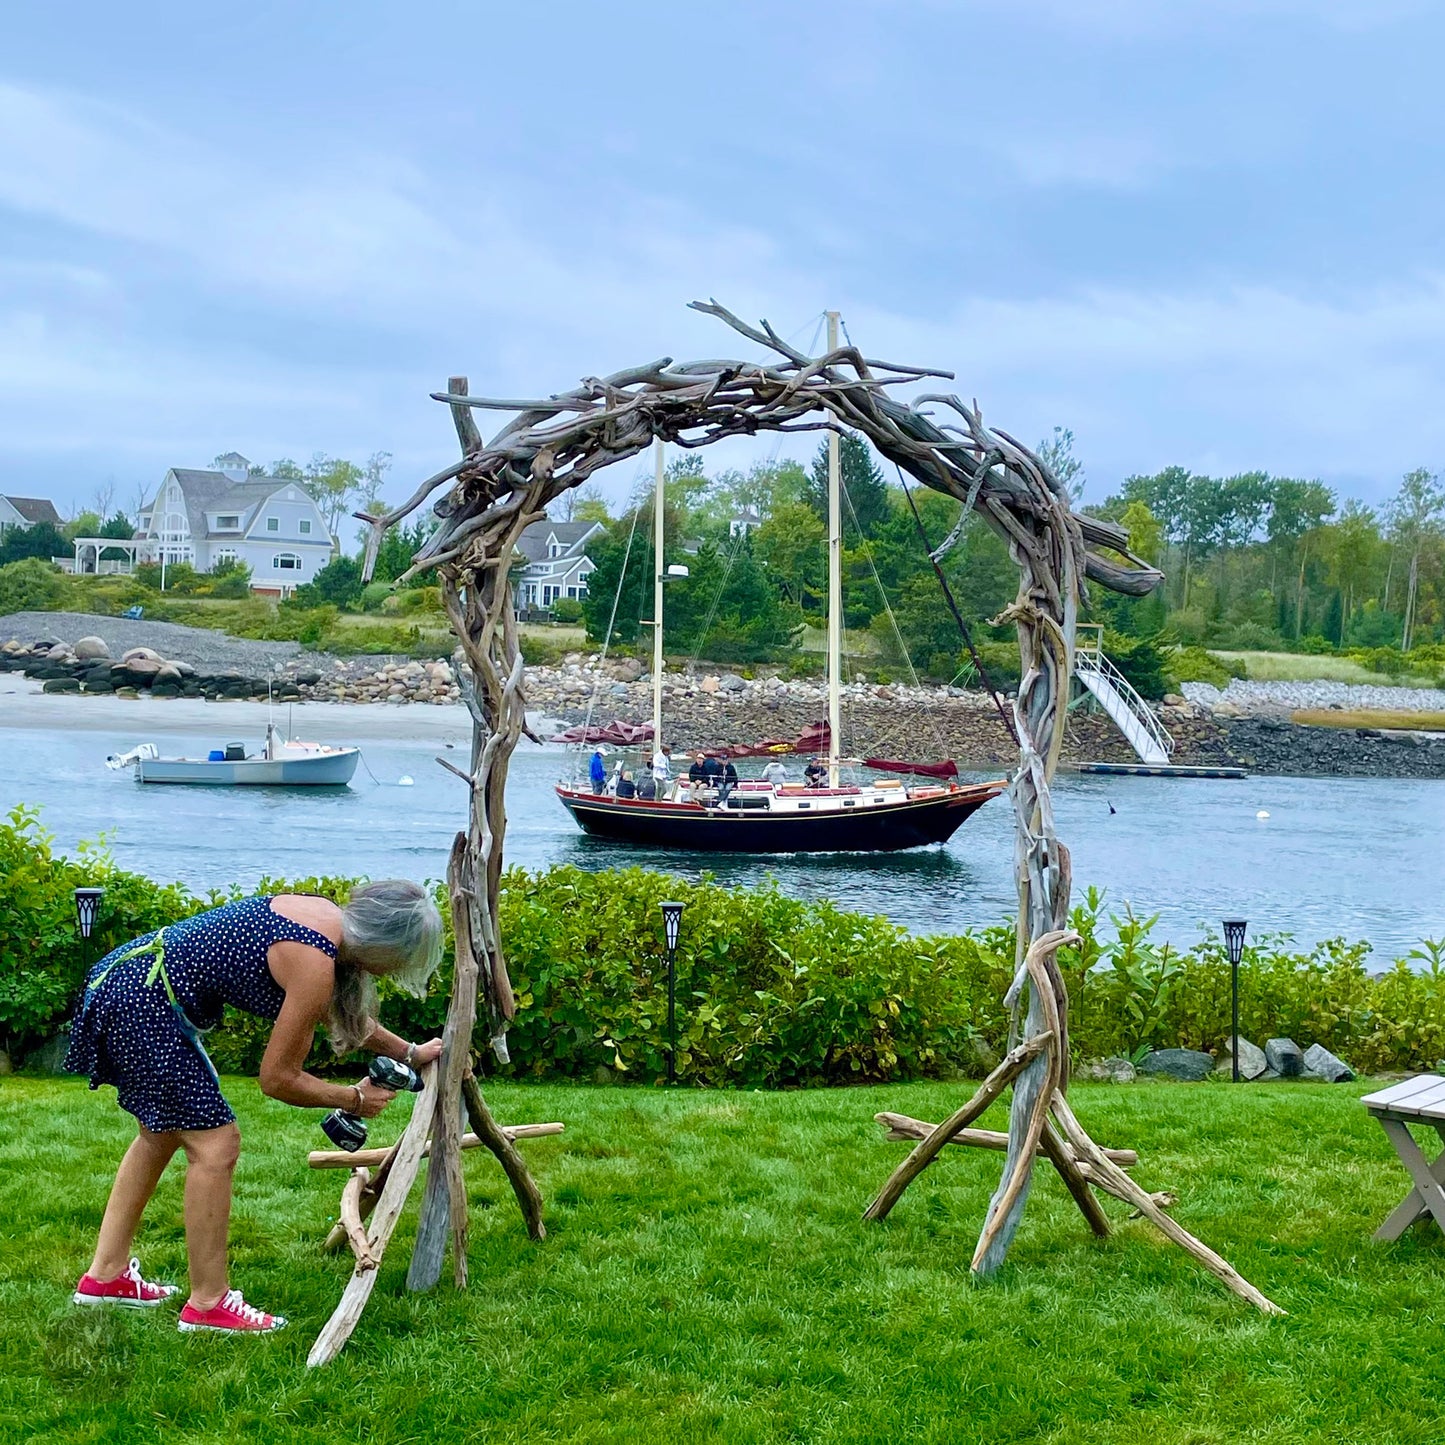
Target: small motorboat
(288, 764)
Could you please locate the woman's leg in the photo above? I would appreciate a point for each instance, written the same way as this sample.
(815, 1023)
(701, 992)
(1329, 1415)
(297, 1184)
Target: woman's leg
(135, 1181)
(211, 1156)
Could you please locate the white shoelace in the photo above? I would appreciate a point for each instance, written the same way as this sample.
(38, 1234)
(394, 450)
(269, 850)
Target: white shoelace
(249, 1313)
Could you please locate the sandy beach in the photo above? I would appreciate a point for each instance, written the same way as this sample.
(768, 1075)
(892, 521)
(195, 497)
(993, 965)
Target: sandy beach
(24, 705)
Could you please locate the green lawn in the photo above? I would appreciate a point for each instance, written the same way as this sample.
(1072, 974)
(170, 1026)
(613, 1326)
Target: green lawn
(707, 1277)
(1306, 667)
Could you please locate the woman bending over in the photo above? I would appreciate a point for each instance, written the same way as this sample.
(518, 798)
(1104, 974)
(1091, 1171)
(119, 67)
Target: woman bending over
(295, 959)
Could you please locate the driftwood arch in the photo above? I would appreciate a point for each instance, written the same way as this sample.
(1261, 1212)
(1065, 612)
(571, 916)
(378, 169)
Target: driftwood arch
(499, 486)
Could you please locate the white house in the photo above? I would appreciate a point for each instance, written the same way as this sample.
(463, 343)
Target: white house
(209, 517)
(557, 564)
(27, 512)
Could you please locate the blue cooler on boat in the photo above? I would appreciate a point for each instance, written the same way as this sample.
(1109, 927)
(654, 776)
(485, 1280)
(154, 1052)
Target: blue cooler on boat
(216, 755)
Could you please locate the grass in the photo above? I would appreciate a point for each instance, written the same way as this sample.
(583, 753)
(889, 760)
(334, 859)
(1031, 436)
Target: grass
(1306, 667)
(707, 1277)
(1433, 722)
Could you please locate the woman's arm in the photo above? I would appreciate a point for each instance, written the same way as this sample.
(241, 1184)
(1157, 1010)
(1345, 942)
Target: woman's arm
(383, 1041)
(308, 977)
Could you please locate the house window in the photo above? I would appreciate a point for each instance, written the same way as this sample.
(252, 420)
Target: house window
(530, 593)
(305, 526)
(273, 524)
(285, 562)
(226, 523)
(549, 595)
(571, 591)
(223, 555)
(555, 550)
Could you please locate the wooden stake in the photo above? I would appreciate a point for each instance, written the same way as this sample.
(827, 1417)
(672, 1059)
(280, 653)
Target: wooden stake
(928, 1150)
(400, 1178)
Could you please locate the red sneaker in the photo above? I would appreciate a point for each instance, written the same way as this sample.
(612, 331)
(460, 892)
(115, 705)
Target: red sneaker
(232, 1316)
(127, 1289)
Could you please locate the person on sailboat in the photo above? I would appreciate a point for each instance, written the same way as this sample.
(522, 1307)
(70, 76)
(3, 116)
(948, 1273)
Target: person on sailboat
(775, 773)
(662, 765)
(617, 775)
(697, 775)
(729, 781)
(626, 788)
(815, 775)
(647, 786)
(597, 771)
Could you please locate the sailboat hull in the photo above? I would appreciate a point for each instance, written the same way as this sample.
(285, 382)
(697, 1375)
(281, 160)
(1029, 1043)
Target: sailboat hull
(887, 828)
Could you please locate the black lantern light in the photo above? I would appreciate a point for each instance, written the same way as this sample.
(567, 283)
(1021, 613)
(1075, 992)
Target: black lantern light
(672, 929)
(1234, 946)
(87, 908)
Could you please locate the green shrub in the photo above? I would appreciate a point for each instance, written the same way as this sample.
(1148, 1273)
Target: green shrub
(230, 581)
(1194, 664)
(1387, 660)
(419, 599)
(33, 585)
(1142, 662)
(772, 991)
(567, 610)
(373, 595)
(548, 651)
(338, 583)
(1315, 645)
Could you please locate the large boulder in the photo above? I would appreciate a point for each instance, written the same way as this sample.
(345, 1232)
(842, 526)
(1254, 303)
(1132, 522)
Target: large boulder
(731, 682)
(89, 648)
(168, 672)
(1285, 1057)
(1252, 1060)
(49, 1058)
(1187, 1065)
(1320, 1063)
(61, 684)
(1106, 1071)
(141, 654)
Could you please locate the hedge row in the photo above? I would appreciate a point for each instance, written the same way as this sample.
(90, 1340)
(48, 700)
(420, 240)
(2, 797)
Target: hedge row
(771, 991)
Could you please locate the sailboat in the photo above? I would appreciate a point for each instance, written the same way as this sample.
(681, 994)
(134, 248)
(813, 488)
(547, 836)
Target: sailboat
(758, 816)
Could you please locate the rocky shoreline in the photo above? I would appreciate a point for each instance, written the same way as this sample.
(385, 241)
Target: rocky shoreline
(918, 723)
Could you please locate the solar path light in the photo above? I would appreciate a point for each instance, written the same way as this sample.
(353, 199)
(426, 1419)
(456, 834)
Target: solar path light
(1234, 944)
(672, 928)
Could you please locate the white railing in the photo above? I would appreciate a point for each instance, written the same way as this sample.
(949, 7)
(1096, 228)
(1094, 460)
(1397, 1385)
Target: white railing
(1129, 712)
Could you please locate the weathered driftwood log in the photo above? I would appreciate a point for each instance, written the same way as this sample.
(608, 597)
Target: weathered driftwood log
(340, 1159)
(529, 1197)
(351, 1221)
(400, 1177)
(901, 1126)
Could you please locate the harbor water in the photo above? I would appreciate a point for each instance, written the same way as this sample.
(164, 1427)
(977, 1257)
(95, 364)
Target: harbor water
(1313, 857)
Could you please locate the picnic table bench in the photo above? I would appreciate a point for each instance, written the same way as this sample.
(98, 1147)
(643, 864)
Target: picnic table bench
(1420, 1100)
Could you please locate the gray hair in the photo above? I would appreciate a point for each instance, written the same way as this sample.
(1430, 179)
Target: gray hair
(391, 928)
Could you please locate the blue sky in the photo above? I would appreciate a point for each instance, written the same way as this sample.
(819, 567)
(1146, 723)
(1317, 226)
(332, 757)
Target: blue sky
(1205, 232)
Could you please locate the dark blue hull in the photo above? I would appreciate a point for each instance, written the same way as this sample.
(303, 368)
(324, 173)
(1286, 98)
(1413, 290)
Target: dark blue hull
(883, 828)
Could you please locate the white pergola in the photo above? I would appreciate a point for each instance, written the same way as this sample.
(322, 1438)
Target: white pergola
(136, 549)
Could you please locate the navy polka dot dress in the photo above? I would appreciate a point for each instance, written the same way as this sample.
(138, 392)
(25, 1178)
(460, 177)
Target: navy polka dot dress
(139, 1022)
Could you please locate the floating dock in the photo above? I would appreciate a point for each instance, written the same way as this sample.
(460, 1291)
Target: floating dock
(1161, 770)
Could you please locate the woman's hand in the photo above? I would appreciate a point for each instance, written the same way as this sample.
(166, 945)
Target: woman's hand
(373, 1100)
(427, 1053)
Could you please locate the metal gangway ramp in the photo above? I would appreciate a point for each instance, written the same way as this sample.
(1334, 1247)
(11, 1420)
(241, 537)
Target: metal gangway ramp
(1116, 695)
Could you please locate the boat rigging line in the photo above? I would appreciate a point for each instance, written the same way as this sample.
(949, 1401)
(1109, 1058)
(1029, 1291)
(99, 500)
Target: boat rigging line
(983, 676)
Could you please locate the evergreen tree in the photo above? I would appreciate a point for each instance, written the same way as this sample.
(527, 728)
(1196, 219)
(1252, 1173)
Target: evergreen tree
(863, 486)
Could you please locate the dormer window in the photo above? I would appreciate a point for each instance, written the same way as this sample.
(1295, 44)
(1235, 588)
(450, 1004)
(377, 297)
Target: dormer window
(555, 550)
(305, 525)
(227, 524)
(273, 524)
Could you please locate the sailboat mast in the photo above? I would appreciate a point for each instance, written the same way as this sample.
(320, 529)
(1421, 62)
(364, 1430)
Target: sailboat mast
(835, 585)
(657, 574)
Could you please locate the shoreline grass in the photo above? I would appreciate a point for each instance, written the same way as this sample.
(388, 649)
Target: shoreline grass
(1403, 719)
(1316, 667)
(707, 1277)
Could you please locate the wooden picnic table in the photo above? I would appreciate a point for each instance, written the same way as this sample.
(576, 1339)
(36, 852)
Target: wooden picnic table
(1420, 1100)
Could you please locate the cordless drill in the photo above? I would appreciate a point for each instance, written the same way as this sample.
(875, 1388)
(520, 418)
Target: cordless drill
(348, 1131)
